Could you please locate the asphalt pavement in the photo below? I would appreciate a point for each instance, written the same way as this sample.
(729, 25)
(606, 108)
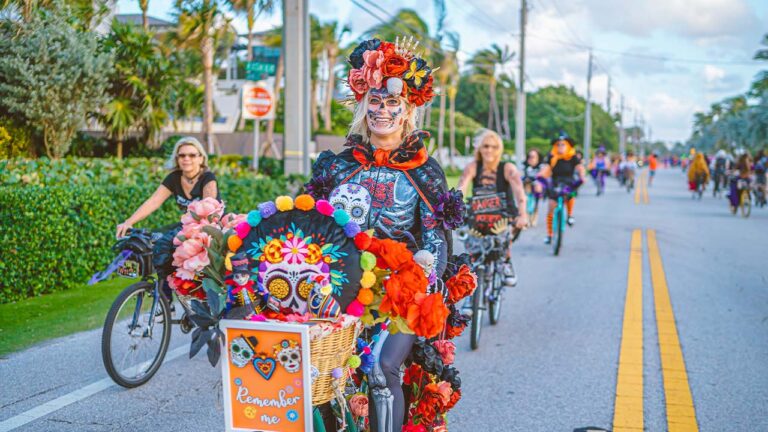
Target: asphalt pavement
(549, 365)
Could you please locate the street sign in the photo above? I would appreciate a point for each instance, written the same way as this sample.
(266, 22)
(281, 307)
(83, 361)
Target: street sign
(256, 70)
(258, 101)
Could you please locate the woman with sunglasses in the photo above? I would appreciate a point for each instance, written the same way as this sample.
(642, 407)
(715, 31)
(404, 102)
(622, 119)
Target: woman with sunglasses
(189, 181)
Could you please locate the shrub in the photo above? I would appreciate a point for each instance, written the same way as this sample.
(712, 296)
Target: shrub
(15, 141)
(56, 237)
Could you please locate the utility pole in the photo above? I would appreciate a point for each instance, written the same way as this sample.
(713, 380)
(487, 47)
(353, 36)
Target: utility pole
(622, 132)
(297, 89)
(608, 97)
(588, 114)
(520, 117)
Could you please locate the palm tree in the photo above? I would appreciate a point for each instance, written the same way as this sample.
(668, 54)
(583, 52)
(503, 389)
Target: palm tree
(201, 24)
(144, 6)
(507, 86)
(252, 9)
(448, 69)
(327, 41)
(486, 64)
(274, 39)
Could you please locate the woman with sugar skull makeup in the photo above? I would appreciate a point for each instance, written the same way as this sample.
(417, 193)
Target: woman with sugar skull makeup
(387, 182)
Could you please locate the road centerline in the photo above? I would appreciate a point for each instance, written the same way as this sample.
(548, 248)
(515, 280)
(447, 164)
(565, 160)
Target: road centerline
(681, 414)
(628, 407)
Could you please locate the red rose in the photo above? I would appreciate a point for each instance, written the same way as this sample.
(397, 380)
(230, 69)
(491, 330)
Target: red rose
(461, 285)
(423, 95)
(410, 427)
(455, 397)
(394, 66)
(454, 331)
(427, 314)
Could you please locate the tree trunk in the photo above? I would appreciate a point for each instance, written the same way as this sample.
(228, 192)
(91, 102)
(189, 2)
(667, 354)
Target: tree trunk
(119, 148)
(313, 106)
(490, 106)
(144, 5)
(507, 133)
(496, 113)
(452, 126)
(329, 88)
(207, 51)
(441, 127)
(251, 20)
(271, 123)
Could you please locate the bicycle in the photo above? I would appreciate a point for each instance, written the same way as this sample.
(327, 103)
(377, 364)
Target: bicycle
(719, 180)
(743, 191)
(629, 179)
(487, 254)
(560, 218)
(532, 206)
(698, 192)
(759, 192)
(599, 176)
(140, 317)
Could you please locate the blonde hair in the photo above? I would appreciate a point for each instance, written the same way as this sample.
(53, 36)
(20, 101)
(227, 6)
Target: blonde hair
(359, 123)
(173, 160)
(478, 142)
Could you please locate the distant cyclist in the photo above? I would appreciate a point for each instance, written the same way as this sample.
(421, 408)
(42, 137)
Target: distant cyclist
(599, 167)
(653, 164)
(721, 164)
(562, 166)
(698, 172)
(761, 166)
(628, 168)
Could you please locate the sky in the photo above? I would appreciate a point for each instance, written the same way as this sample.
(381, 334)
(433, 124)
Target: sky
(668, 58)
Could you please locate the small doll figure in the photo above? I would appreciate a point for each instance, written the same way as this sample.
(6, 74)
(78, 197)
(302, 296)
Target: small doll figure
(240, 287)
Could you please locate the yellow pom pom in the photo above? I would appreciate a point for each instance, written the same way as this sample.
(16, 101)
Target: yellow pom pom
(368, 279)
(284, 203)
(228, 261)
(305, 202)
(234, 243)
(325, 290)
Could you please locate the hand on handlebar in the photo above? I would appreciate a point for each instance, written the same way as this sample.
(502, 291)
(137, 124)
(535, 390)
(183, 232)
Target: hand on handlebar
(521, 222)
(122, 229)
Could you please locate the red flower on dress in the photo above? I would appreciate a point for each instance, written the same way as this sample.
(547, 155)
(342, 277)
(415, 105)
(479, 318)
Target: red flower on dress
(423, 95)
(461, 285)
(427, 314)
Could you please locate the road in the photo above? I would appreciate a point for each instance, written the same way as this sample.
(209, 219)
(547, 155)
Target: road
(551, 364)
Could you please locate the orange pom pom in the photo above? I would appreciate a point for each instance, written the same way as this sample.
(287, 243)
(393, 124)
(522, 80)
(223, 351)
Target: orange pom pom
(304, 202)
(234, 243)
(365, 296)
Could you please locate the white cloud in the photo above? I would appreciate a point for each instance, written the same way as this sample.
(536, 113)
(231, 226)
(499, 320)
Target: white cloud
(670, 116)
(718, 80)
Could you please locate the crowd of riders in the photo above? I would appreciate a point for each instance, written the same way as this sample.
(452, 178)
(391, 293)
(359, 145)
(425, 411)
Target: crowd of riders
(730, 174)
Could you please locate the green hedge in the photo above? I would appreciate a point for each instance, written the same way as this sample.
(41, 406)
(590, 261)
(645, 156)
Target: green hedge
(56, 237)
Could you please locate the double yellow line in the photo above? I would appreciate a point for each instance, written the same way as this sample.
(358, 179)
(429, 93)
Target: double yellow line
(641, 188)
(628, 407)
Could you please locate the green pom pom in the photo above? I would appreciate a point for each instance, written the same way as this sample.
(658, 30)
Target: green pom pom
(354, 362)
(367, 261)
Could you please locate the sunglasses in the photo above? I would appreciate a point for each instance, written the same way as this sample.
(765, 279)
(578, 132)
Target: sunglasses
(187, 155)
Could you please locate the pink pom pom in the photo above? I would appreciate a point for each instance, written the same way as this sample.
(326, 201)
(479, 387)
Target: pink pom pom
(242, 229)
(355, 308)
(324, 207)
(384, 326)
(367, 350)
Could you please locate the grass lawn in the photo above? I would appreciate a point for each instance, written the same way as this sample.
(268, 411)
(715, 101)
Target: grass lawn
(34, 320)
(452, 181)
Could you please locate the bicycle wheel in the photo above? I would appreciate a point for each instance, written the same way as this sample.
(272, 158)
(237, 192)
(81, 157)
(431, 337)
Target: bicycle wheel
(477, 311)
(136, 335)
(557, 228)
(494, 303)
(745, 203)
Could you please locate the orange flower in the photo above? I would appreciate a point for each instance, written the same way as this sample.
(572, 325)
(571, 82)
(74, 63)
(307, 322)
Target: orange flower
(461, 285)
(394, 66)
(427, 314)
(454, 399)
(392, 254)
(422, 96)
(274, 251)
(314, 253)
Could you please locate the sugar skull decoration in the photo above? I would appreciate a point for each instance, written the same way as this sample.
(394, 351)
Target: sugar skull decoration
(353, 199)
(242, 349)
(300, 247)
(288, 354)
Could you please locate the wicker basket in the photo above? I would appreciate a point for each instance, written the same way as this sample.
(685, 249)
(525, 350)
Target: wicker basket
(328, 352)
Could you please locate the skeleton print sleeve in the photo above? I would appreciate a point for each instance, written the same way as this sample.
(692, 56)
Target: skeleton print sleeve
(433, 238)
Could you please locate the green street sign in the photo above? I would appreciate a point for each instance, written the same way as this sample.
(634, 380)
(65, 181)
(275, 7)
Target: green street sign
(256, 70)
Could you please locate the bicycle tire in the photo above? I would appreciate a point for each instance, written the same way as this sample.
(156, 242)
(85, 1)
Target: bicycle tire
(476, 326)
(107, 335)
(557, 225)
(745, 203)
(494, 306)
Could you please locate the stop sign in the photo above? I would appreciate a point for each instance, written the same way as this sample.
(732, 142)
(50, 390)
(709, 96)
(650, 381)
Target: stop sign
(258, 102)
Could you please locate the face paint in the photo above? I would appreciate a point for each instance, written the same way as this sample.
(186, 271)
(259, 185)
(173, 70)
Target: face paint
(241, 278)
(385, 113)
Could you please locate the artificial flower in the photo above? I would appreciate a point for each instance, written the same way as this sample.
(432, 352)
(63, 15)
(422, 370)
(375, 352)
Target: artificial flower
(203, 211)
(295, 250)
(430, 404)
(420, 96)
(372, 68)
(191, 256)
(427, 357)
(455, 397)
(447, 350)
(394, 65)
(451, 375)
(427, 314)
(444, 390)
(358, 404)
(186, 287)
(231, 220)
(450, 209)
(417, 74)
(314, 254)
(273, 251)
(356, 58)
(357, 82)
(462, 284)
(410, 427)
(456, 323)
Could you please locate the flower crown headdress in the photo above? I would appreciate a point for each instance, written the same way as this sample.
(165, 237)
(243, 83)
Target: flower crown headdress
(397, 67)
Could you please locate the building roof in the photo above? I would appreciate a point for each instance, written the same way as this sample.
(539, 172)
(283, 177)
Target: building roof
(136, 19)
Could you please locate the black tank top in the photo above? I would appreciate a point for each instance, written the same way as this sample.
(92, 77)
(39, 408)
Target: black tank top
(501, 186)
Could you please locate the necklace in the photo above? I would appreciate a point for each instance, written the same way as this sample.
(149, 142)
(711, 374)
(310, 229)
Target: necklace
(192, 180)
